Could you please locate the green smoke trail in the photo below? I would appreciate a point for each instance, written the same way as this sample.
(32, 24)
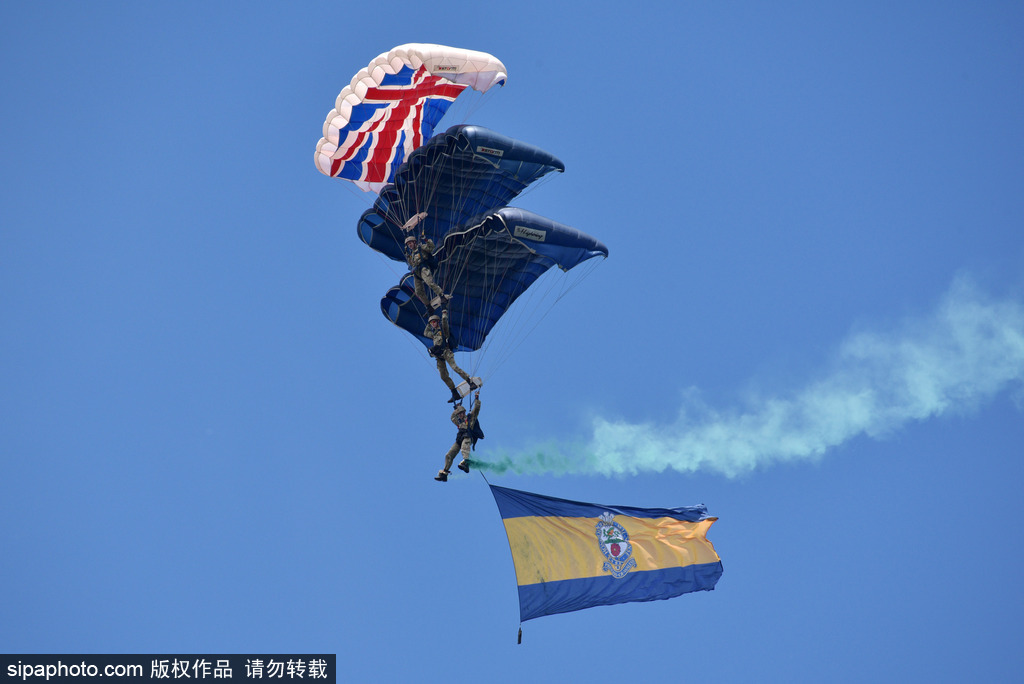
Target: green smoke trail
(967, 351)
(552, 458)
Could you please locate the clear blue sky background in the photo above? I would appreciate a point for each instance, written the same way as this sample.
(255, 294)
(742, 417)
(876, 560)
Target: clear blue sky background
(213, 442)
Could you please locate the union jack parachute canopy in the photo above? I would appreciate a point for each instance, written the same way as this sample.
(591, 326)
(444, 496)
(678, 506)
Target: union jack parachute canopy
(392, 106)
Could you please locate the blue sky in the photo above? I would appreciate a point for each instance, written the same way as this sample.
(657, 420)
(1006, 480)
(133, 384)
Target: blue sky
(810, 321)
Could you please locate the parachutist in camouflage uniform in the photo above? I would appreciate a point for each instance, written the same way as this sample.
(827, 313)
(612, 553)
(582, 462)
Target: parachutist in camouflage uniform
(437, 330)
(469, 432)
(420, 257)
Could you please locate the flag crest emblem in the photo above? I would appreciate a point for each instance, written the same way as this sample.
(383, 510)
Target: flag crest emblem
(614, 542)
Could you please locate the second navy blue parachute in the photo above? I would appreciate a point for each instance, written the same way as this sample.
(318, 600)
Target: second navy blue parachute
(485, 265)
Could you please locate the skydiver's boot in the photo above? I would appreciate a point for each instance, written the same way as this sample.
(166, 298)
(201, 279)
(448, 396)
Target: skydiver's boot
(464, 466)
(455, 396)
(442, 476)
(473, 385)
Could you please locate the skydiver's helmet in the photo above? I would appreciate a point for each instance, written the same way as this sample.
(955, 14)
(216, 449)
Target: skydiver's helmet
(459, 413)
(410, 242)
(434, 318)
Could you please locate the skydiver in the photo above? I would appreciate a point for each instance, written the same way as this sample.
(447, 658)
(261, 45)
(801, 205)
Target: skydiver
(437, 330)
(420, 257)
(469, 432)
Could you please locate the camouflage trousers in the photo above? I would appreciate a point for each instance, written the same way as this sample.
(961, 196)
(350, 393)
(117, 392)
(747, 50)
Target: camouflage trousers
(448, 359)
(449, 458)
(425, 276)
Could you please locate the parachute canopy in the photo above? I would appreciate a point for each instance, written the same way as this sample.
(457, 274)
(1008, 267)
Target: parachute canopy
(465, 172)
(485, 266)
(392, 106)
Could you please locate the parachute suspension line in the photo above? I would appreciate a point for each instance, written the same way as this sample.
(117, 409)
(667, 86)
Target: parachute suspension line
(419, 197)
(467, 105)
(512, 324)
(519, 330)
(523, 309)
(363, 197)
(433, 176)
(495, 275)
(444, 276)
(456, 270)
(390, 263)
(542, 300)
(431, 180)
(420, 349)
(465, 159)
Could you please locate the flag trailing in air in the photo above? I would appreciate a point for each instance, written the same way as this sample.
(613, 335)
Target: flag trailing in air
(571, 555)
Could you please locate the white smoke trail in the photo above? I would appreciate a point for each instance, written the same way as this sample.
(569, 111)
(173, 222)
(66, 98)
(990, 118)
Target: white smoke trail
(969, 350)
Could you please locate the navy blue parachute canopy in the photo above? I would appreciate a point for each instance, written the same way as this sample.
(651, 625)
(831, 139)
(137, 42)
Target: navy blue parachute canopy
(464, 172)
(485, 267)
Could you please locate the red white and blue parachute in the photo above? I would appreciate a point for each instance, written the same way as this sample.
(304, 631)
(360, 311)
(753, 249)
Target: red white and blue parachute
(392, 106)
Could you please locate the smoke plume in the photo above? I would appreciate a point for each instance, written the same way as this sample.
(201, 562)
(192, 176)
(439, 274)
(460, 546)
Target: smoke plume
(967, 351)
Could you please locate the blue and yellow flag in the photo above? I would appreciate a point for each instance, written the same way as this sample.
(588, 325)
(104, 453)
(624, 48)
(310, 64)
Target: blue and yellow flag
(571, 555)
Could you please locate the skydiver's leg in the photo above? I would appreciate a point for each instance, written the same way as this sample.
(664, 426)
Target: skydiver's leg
(428, 278)
(443, 370)
(464, 464)
(421, 292)
(450, 457)
(449, 356)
